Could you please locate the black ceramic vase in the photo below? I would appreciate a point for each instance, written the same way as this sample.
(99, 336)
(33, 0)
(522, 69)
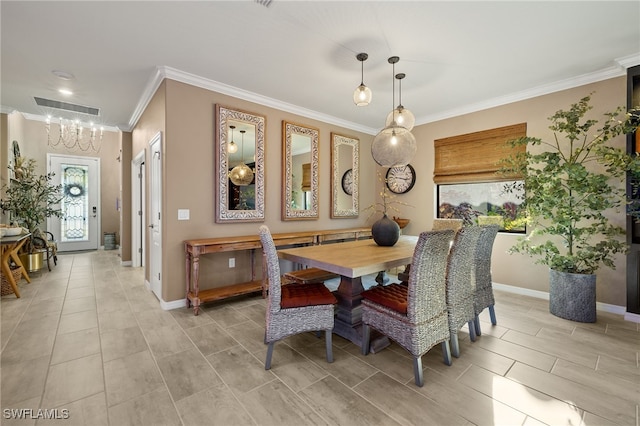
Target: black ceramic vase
(385, 232)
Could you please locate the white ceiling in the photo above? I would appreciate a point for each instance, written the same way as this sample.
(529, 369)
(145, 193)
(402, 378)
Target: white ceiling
(301, 56)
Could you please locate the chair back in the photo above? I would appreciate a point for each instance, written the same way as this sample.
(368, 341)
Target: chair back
(483, 266)
(460, 270)
(426, 293)
(439, 224)
(270, 257)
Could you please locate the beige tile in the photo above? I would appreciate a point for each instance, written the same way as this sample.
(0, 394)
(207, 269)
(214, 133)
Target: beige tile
(210, 338)
(78, 321)
(225, 316)
(40, 308)
(186, 373)
(130, 377)
(348, 369)
(154, 408)
(474, 406)
(79, 292)
(87, 411)
(527, 400)
(337, 404)
(31, 339)
(293, 369)
(156, 318)
(619, 369)
(584, 397)
(120, 343)
(518, 352)
(73, 380)
(75, 345)
(167, 340)
(116, 320)
(219, 407)
(23, 381)
(275, 404)
(80, 304)
(249, 334)
(240, 370)
(186, 318)
(407, 406)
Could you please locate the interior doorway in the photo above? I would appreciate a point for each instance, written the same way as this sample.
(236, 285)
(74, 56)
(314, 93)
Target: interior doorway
(138, 210)
(155, 215)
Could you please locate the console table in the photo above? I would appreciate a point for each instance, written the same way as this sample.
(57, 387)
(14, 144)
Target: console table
(195, 248)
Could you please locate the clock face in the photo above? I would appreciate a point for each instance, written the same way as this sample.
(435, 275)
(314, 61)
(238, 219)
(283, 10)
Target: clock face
(347, 182)
(401, 179)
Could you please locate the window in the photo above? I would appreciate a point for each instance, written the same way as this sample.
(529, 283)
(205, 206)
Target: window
(468, 186)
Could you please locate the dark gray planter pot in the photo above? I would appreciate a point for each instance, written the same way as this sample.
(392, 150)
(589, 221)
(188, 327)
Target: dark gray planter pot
(572, 296)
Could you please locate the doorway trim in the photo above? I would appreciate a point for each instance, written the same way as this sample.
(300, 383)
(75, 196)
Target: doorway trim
(138, 210)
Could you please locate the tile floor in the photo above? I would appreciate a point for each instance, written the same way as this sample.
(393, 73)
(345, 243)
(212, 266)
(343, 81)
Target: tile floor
(89, 342)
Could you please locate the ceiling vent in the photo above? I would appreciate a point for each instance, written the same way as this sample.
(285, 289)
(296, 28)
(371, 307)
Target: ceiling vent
(67, 106)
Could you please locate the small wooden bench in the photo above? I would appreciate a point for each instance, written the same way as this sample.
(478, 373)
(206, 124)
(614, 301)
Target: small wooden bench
(309, 275)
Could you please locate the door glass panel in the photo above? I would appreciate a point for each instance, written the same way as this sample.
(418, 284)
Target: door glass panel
(75, 203)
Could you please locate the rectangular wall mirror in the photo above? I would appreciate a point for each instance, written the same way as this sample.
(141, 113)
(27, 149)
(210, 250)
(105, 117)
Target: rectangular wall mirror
(345, 162)
(239, 148)
(299, 172)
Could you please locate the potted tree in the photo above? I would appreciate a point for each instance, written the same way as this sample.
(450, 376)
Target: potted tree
(30, 199)
(570, 185)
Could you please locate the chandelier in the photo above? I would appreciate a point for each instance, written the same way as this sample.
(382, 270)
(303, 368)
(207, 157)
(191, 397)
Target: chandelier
(74, 136)
(241, 175)
(394, 145)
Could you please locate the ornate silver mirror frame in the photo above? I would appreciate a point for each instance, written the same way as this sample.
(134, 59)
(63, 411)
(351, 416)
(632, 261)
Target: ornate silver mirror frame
(345, 166)
(244, 203)
(299, 152)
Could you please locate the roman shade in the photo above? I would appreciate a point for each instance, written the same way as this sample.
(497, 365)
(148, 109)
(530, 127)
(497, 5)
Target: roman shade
(474, 157)
(306, 177)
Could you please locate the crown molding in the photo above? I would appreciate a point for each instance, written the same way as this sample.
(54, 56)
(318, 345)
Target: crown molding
(617, 70)
(163, 72)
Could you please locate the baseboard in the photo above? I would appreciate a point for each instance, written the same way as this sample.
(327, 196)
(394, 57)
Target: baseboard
(126, 263)
(605, 307)
(174, 304)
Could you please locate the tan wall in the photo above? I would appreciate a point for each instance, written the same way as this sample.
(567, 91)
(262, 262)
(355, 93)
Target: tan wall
(125, 196)
(517, 270)
(189, 183)
(32, 137)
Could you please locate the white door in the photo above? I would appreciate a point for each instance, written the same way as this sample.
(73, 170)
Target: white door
(138, 211)
(79, 227)
(155, 215)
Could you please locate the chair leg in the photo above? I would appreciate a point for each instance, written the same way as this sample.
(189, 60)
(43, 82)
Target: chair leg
(476, 323)
(472, 330)
(329, 346)
(492, 314)
(417, 371)
(48, 264)
(366, 334)
(455, 345)
(267, 363)
(446, 352)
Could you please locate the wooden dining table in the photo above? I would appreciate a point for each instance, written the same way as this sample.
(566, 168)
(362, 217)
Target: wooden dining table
(352, 260)
(10, 247)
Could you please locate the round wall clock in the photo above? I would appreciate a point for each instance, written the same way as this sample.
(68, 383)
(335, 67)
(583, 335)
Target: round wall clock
(347, 182)
(401, 179)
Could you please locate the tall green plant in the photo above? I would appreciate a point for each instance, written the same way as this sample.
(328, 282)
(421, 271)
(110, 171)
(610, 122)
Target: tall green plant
(570, 186)
(31, 199)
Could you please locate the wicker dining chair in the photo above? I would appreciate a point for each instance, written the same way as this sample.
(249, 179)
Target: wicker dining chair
(484, 288)
(415, 314)
(294, 308)
(438, 225)
(460, 288)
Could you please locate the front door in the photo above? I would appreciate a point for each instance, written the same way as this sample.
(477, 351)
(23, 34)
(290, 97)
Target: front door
(78, 229)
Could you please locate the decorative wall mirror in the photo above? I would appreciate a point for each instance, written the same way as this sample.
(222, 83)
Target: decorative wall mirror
(299, 172)
(239, 148)
(345, 162)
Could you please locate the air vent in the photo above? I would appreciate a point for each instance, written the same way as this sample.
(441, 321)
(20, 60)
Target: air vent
(67, 106)
(265, 3)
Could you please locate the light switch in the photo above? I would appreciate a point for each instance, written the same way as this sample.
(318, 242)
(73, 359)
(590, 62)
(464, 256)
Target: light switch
(183, 214)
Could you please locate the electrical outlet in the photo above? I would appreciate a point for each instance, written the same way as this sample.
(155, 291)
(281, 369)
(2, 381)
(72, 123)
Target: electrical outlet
(232, 262)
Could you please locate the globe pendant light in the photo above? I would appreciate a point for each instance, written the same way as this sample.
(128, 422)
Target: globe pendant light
(394, 145)
(403, 116)
(233, 147)
(241, 175)
(362, 95)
